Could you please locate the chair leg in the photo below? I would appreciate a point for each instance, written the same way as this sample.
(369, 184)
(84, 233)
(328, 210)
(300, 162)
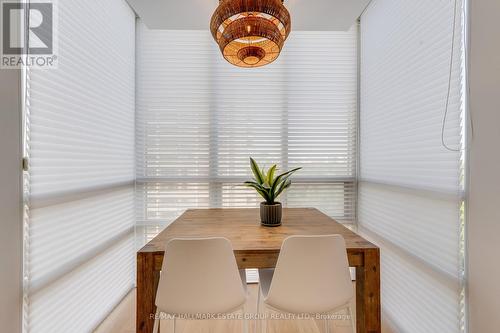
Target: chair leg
(353, 322)
(156, 325)
(263, 320)
(244, 322)
(258, 320)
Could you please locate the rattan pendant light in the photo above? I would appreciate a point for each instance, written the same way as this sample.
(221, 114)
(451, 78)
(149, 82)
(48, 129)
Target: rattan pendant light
(250, 33)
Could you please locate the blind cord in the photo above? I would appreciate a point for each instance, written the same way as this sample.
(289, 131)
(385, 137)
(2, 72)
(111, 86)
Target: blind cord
(452, 54)
(467, 87)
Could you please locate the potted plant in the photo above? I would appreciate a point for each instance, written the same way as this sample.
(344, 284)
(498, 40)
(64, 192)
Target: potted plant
(269, 187)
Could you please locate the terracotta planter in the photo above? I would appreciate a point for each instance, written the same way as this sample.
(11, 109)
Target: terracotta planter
(270, 215)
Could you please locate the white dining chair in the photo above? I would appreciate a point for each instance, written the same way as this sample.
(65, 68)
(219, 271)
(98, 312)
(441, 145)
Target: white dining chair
(199, 277)
(311, 277)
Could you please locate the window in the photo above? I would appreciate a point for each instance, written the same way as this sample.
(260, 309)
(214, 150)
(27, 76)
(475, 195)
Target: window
(199, 119)
(411, 185)
(79, 244)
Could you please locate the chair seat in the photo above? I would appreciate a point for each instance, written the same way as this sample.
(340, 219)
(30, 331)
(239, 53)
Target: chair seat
(311, 276)
(200, 275)
(265, 278)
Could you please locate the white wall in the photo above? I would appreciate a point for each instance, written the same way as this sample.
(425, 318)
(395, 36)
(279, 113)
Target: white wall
(10, 202)
(484, 203)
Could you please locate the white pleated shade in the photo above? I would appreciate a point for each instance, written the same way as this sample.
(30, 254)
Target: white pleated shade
(65, 233)
(199, 119)
(80, 300)
(415, 297)
(411, 185)
(79, 255)
(422, 223)
(405, 59)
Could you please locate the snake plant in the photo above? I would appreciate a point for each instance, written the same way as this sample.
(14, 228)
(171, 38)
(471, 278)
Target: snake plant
(266, 184)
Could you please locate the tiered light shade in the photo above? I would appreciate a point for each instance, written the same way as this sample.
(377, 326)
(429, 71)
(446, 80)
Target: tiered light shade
(250, 33)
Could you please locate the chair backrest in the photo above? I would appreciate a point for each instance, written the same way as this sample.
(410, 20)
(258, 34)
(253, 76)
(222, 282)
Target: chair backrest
(199, 276)
(312, 275)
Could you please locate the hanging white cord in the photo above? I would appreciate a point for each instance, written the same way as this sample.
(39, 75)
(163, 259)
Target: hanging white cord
(449, 79)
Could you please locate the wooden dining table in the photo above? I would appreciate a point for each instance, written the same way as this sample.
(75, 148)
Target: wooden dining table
(256, 246)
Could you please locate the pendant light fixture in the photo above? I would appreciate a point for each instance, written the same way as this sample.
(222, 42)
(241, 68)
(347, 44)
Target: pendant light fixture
(250, 33)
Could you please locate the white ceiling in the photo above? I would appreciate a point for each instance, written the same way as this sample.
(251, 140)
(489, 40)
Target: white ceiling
(196, 14)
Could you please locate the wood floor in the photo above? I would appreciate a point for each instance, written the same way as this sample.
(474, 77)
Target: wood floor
(122, 320)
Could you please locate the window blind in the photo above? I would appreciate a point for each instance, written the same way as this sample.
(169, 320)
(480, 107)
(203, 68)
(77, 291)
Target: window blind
(411, 185)
(200, 118)
(79, 244)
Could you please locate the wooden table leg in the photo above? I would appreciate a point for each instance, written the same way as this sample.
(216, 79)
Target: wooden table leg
(368, 293)
(147, 283)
